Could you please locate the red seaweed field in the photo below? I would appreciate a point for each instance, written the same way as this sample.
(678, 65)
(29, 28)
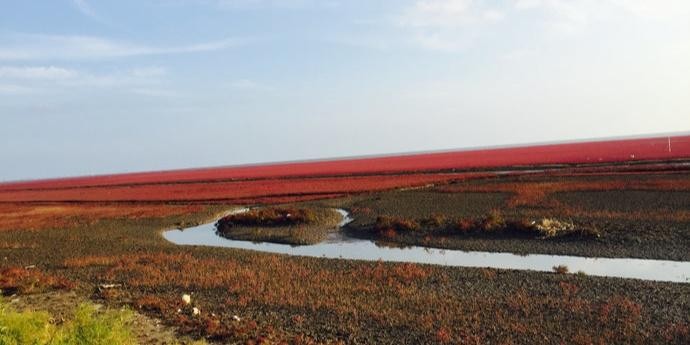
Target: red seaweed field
(293, 181)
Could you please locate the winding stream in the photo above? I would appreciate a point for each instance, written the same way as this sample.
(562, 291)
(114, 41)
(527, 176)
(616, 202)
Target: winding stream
(339, 246)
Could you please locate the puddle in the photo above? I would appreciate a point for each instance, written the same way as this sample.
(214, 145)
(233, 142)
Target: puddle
(339, 246)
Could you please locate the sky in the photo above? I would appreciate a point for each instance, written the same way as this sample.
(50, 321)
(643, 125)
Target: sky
(91, 87)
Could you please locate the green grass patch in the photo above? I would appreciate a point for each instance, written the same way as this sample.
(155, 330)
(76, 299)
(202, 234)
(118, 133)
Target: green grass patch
(88, 326)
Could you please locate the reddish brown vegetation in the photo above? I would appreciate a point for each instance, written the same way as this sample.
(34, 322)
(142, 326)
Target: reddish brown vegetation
(677, 333)
(31, 217)
(443, 336)
(447, 306)
(530, 193)
(269, 280)
(386, 224)
(231, 191)
(18, 280)
(329, 178)
(493, 223)
(435, 220)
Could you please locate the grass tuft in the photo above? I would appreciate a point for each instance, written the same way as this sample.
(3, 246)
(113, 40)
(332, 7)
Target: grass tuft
(560, 269)
(493, 222)
(90, 327)
(386, 223)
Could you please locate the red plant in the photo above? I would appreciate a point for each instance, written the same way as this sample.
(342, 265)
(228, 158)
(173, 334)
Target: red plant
(230, 190)
(465, 225)
(386, 223)
(18, 280)
(338, 176)
(443, 336)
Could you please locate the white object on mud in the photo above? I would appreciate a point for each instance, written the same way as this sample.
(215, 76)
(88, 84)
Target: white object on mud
(195, 311)
(187, 299)
(236, 318)
(552, 227)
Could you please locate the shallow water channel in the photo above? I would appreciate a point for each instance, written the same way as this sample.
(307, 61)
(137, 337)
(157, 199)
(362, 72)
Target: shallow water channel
(339, 246)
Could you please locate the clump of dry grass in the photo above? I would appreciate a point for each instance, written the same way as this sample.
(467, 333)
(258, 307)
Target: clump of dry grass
(493, 222)
(435, 220)
(560, 269)
(386, 223)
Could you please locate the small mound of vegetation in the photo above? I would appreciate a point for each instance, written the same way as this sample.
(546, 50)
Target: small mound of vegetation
(493, 224)
(296, 226)
(270, 217)
(88, 326)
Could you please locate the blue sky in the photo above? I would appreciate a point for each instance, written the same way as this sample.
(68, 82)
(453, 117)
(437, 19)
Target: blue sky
(90, 87)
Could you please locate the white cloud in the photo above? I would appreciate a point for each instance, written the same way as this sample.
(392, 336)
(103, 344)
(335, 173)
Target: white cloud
(40, 72)
(59, 47)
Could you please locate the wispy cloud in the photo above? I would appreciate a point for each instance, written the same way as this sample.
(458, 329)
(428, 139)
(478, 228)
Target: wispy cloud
(573, 17)
(64, 47)
(287, 4)
(85, 8)
(50, 79)
(454, 25)
(36, 73)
